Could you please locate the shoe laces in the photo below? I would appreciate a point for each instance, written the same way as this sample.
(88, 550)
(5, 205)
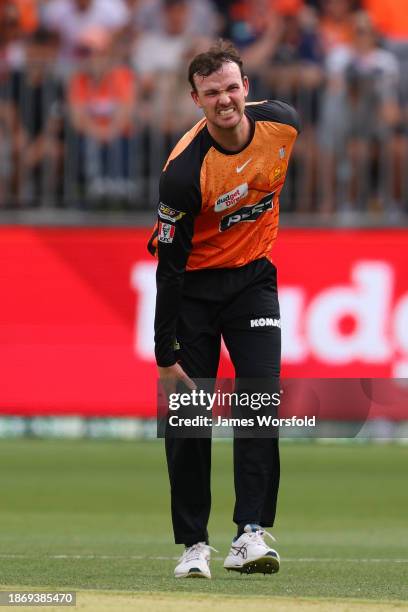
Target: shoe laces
(258, 536)
(194, 552)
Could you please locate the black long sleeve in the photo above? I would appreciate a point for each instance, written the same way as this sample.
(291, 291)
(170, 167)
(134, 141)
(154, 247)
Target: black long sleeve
(180, 202)
(169, 279)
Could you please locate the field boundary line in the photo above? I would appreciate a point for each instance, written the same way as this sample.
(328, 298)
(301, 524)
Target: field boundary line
(176, 557)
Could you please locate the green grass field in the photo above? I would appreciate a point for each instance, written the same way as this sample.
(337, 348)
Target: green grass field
(94, 516)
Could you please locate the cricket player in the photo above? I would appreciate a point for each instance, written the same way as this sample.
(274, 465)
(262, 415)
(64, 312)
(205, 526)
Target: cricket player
(217, 223)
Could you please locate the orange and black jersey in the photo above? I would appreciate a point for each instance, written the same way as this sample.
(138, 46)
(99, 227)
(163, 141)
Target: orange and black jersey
(218, 209)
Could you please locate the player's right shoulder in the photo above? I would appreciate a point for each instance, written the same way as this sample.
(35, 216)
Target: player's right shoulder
(187, 141)
(180, 179)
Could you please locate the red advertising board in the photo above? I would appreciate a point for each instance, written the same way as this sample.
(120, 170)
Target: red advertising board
(77, 308)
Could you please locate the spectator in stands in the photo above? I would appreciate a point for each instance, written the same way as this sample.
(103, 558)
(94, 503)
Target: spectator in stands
(150, 16)
(360, 122)
(255, 28)
(160, 59)
(38, 120)
(71, 18)
(18, 20)
(295, 74)
(391, 21)
(172, 111)
(297, 62)
(8, 23)
(389, 18)
(164, 51)
(250, 19)
(28, 15)
(102, 100)
(336, 23)
(283, 55)
(12, 44)
(258, 28)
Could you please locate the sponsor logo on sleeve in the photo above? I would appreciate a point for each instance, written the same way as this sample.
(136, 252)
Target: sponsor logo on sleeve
(168, 213)
(229, 199)
(166, 232)
(247, 213)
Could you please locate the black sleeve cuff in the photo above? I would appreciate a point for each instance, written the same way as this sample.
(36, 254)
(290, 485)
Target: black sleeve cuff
(165, 361)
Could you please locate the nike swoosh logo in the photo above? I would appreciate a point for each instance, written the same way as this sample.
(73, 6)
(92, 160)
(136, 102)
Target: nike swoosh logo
(240, 168)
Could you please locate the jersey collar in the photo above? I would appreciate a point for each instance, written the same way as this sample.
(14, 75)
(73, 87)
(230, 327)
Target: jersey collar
(226, 151)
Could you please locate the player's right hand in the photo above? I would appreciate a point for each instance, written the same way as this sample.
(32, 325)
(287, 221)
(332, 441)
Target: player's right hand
(172, 375)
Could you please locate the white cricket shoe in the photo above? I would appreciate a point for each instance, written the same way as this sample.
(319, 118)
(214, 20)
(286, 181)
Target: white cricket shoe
(250, 554)
(195, 562)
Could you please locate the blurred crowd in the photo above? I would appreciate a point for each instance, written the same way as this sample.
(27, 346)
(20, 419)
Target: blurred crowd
(93, 95)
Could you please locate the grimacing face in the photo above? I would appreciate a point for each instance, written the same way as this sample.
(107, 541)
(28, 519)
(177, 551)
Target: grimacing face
(221, 96)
